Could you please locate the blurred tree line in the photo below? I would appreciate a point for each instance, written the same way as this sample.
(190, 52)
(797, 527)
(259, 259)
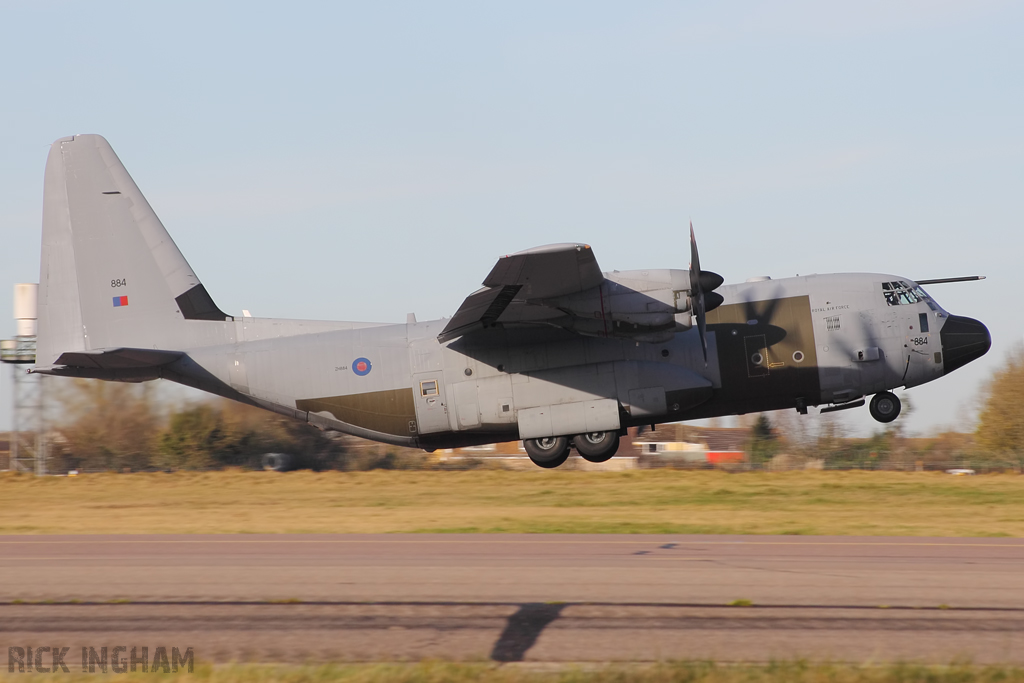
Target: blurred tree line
(996, 443)
(1000, 429)
(117, 426)
(120, 426)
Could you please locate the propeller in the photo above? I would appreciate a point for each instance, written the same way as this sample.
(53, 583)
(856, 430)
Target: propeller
(702, 296)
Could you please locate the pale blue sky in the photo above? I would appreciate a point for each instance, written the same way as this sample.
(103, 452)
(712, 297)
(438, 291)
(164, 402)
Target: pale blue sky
(364, 160)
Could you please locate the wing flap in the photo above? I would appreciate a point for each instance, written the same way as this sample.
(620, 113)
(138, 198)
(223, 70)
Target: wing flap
(479, 310)
(539, 273)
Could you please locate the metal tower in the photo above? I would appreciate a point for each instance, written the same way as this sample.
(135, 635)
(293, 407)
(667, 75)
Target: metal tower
(28, 428)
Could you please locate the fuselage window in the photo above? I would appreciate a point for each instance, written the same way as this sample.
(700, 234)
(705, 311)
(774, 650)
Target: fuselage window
(892, 298)
(923, 317)
(899, 294)
(428, 387)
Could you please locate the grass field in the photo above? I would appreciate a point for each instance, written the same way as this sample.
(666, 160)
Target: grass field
(440, 672)
(646, 501)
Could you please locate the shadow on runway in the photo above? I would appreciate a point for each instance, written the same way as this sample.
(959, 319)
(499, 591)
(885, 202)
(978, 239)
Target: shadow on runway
(523, 629)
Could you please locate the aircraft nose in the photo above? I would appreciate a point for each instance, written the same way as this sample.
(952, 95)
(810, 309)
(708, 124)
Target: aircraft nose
(963, 340)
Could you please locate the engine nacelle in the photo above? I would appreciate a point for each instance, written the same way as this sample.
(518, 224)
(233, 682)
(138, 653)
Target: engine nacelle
(648, 305)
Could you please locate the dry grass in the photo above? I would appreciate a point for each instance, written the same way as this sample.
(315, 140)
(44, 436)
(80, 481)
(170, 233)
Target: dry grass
(646, 501)
(442, 672)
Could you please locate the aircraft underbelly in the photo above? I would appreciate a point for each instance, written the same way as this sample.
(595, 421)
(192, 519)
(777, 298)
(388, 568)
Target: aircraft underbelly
(575, 399)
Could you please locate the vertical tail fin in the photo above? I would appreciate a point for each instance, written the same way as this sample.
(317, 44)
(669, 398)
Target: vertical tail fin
(110, 275)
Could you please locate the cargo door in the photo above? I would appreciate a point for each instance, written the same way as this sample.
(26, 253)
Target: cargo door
(467, 406)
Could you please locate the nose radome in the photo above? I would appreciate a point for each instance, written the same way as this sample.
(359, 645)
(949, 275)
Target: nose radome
(963, 340)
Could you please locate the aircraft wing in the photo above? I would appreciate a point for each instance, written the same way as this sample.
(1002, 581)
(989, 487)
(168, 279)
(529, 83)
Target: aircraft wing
(539, 273)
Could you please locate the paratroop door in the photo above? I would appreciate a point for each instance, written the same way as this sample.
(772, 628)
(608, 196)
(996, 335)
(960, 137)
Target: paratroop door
(431, 406)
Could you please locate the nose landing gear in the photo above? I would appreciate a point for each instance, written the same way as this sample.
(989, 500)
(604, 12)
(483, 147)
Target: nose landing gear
(885, 407)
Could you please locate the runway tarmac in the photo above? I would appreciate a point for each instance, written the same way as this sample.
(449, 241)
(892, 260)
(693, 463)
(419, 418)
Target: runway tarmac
(519, 597)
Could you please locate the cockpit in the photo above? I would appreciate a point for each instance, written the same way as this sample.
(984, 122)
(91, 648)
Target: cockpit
(901, 293)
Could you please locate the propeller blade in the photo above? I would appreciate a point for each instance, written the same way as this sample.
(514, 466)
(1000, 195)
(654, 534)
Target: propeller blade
(702, 328)
(697, 294)
(694, 259)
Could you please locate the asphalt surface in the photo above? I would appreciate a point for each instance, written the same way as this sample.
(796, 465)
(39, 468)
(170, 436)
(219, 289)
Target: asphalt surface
(518, 597)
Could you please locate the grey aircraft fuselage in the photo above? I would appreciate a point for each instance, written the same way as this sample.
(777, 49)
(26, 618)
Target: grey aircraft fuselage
(587, 352)
(773, 344)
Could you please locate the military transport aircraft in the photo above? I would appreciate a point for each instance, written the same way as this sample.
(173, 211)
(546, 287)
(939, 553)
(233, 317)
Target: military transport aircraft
(551, 350)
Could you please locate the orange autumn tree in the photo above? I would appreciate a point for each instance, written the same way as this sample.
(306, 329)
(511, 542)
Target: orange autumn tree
(1001, 421)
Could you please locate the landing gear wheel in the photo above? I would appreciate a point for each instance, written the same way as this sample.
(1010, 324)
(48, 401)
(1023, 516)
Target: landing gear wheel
(597, 446)
(547, 452)
(885, 407)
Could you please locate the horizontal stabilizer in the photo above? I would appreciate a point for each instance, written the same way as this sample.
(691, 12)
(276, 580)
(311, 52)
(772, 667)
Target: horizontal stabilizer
(118, 359)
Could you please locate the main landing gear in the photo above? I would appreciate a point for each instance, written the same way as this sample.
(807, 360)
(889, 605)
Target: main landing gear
(548, 451)
(552, 451)
(597, 446)
(885, 407)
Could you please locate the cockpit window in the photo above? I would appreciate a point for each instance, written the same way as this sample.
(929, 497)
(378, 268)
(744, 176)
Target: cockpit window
(900, 293)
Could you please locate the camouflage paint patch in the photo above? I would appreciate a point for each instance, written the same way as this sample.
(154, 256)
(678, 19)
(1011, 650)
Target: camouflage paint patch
(766, 353)
(381, 411)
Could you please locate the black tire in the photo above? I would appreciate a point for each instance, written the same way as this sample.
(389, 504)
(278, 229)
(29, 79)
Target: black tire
(597, 446)
(885, 407)
(547, 452)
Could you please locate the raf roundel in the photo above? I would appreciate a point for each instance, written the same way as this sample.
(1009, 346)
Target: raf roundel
(361, 366)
